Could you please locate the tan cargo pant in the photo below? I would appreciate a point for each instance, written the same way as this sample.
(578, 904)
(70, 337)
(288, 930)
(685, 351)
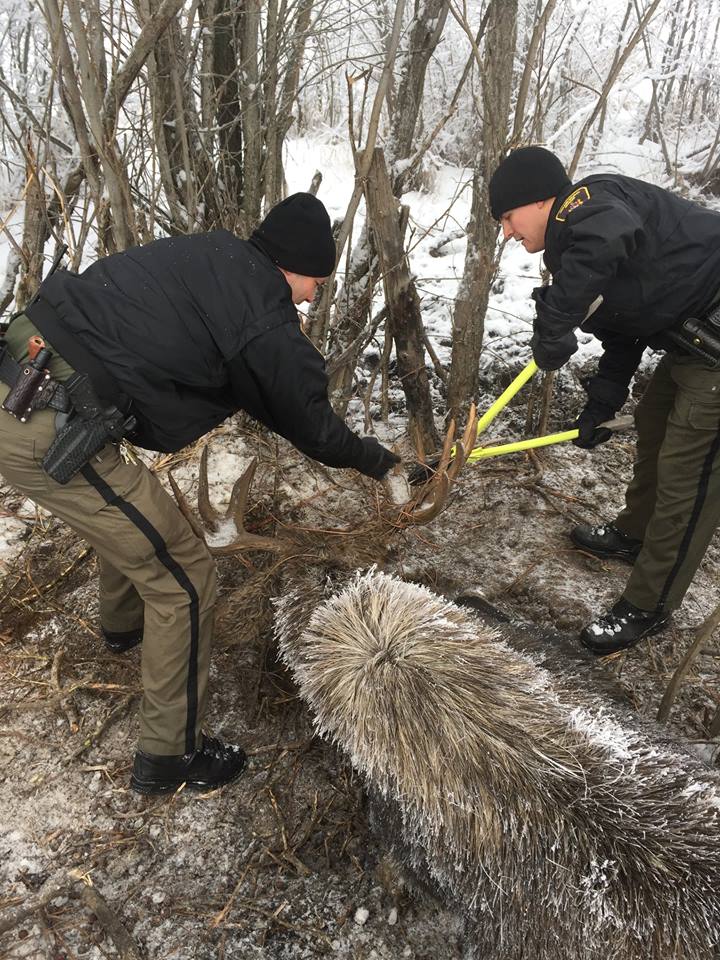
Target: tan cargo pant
(154, 571)
(673, 499)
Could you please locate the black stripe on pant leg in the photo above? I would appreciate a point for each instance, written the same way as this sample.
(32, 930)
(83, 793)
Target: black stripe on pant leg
(700, 498)
(147, 529)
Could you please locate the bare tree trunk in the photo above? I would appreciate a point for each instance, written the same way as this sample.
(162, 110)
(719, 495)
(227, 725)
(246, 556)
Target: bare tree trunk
(352, 314)
(72, 101)
(675, 47)
(424, 34)
(124, 227)
(272, 180)
(654, 108)
(691, 26)
(404, 321)
(384, 23)
(709, 178)
(710, 56)
(7, 290)
(96, 42)
(363, 160)
(480, 259)
(537, 35)
(352, 307)
(93, 109)
(669, 54)
(221, 21)
(249, 19)
(35, 232)
(169, 128)
(181, 146)
(282, 120)
(209, 27)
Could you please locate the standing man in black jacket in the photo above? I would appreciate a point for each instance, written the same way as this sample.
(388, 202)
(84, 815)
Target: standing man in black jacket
(637, 266)
(175, 336)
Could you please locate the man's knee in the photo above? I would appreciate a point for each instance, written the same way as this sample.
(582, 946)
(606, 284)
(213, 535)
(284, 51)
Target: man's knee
(204, 577)
(191, 563)
(649, 421)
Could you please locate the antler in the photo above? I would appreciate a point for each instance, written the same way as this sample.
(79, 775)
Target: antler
(424, 506)
(430, 499)
(211, 520)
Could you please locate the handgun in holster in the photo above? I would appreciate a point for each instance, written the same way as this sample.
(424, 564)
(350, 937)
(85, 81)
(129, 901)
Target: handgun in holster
(700, 338)
(90, 427)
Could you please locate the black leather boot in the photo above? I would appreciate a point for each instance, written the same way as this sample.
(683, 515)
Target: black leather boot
(212, 765)
(606, 541)
(622, 627)
(122, 642)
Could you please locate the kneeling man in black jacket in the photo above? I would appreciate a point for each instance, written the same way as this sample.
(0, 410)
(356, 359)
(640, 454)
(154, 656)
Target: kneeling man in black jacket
(637, 266)
(174, 336)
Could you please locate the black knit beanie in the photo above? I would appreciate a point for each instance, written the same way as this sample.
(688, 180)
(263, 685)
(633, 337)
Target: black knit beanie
(297, 236)
(524, 176)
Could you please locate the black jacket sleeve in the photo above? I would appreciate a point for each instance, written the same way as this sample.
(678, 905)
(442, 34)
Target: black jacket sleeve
(619, 361)
(279, 378)
(595, 239)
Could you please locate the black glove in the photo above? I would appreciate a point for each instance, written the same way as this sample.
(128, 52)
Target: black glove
(552, 342)
(588, 423)
(377, 460)
(421, 473)
(552, 354)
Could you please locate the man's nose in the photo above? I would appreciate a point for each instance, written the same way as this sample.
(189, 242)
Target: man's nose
(507, 230)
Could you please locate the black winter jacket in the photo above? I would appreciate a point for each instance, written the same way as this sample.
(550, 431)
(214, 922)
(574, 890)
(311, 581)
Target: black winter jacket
(194, 328)
(652, 256)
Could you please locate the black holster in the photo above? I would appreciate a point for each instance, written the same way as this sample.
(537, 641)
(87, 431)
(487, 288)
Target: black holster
(86, 433)
(31, 386)
(699, 338)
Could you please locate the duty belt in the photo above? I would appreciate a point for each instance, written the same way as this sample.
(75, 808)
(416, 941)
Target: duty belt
(51, 393)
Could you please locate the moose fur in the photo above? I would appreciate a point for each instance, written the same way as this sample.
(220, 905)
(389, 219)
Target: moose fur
(563, 829)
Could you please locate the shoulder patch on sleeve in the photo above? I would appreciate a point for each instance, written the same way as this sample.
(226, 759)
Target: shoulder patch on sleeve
(576, 199)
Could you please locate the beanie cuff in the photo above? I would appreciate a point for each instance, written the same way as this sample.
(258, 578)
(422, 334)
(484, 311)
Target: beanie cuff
(527, 175)
(296, 235)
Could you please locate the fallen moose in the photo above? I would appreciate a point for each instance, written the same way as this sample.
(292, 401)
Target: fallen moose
(507, 788)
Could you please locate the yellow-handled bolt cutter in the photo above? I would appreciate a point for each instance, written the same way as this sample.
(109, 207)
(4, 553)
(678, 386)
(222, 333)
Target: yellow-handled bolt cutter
(482, 453)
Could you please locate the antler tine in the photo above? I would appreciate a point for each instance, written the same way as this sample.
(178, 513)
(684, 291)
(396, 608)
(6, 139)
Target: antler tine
(458, 461)
(249, 541)
(243, 540)
(470, 435)
(239, 495)
(236, 511)
(209, 514)
(436, 497)
(419, 445)
(447, 448)
(464, 446)
(434, 493)
(185, 508)
(432, 497)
